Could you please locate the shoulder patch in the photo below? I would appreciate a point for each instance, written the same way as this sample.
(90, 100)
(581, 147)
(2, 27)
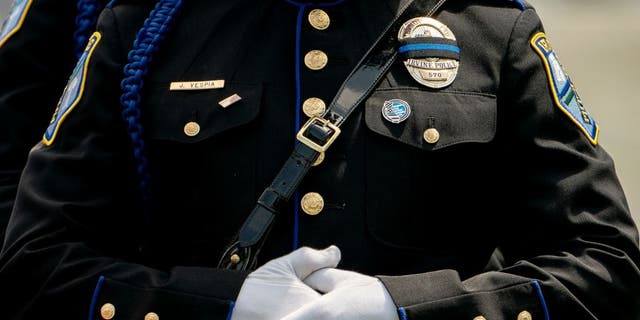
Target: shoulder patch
(564, 92)
(15, 20)
(72, 92)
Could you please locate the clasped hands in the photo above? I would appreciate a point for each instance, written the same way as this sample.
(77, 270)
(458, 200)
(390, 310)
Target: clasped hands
(305, 284)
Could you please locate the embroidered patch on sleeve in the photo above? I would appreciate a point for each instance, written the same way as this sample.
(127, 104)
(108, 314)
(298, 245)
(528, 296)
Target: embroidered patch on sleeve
(15, 20)
(72, 92)
(564, 92)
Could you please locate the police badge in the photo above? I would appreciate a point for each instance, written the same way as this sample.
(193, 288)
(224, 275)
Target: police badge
(430, 52)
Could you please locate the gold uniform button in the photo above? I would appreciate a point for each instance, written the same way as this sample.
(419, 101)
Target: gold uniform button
(319, 19)
(151, 316)
(191, 129)
(313, 107)
(312, 203)
(479, 318)
(525, 315)
(108, 311)
(235, 259)
(431, 135)
(315, 59)
(319, 160)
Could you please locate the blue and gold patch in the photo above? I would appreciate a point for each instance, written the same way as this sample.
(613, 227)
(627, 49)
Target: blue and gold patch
(15, 20)
(563, 90)
(72, 92)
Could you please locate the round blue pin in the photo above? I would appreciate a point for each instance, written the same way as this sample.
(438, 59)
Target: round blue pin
(396, 110)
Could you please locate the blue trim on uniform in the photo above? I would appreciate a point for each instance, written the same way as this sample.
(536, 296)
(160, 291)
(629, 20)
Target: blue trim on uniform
(296, 205)
(543, 302)
(94, 299)
(402, 313)
(231, 306)
(298, 65)
(521, 4)
(428, 46)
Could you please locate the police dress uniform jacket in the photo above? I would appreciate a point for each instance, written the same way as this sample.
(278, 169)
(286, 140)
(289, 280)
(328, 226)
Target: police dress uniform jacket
(36, 58)
(510, 170)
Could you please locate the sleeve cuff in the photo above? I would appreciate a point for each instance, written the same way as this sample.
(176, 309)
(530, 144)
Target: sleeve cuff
(441, 295)
(210, 297)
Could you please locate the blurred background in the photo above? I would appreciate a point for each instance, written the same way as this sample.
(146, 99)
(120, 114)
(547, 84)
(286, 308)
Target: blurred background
(598, 42)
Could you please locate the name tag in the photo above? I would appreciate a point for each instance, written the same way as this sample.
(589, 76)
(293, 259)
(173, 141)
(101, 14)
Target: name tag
(196, 85)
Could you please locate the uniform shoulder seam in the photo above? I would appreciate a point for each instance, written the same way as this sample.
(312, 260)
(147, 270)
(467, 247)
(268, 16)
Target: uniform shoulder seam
(524, 5)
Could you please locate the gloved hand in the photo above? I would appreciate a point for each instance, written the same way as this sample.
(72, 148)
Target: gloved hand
(276, 289)
(347, 295)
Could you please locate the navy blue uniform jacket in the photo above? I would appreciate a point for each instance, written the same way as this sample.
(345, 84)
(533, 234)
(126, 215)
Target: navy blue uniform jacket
(511, 171)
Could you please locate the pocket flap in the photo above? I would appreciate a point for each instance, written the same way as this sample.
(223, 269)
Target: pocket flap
(170, 111)
(457, 117)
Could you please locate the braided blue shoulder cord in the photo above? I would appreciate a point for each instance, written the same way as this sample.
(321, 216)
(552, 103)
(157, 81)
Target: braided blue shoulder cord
(88, 11)
(140, 57)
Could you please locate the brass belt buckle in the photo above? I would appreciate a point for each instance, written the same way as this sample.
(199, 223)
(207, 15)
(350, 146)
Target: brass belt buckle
(312, 144)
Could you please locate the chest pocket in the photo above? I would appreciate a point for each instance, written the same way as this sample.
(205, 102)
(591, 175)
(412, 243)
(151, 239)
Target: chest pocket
(418, 190)
(194, 115)
(197, 171)
(457, 117)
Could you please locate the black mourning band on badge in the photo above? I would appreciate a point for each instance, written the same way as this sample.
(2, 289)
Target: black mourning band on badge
(428, 47)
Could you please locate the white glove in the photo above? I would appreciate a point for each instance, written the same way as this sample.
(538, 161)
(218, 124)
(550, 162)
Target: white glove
(276, 289)
(347, 295)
